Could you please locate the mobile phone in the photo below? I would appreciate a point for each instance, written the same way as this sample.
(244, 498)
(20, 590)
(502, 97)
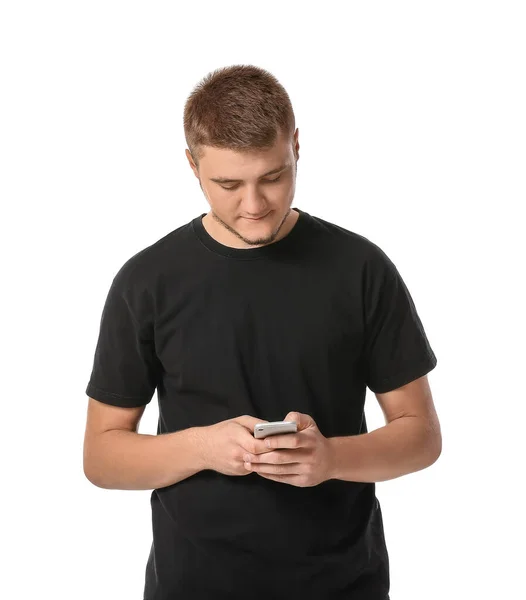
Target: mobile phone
(262, 430)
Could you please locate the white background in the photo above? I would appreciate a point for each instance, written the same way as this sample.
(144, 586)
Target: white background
(412, 129)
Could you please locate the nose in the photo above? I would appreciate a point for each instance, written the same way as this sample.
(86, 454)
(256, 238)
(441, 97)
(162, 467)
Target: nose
(254, 205)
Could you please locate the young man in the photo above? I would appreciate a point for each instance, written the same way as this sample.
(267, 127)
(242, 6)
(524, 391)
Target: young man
(258, 312)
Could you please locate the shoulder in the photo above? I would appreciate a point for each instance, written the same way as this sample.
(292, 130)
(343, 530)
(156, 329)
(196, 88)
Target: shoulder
(362, 250)
(142, 269)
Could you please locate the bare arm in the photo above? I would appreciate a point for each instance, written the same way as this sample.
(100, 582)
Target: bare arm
(401, 447)
(117, 457)
(409, 442)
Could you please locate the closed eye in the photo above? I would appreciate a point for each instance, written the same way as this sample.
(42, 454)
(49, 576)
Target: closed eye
(264, 181)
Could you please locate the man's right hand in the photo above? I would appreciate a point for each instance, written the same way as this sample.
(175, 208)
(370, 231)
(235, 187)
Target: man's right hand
(226, 443)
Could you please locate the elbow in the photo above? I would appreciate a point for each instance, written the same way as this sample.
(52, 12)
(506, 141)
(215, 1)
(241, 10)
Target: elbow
(92, 478)
(435, 448)
(435, 456)
(433, 443)
(91, 471)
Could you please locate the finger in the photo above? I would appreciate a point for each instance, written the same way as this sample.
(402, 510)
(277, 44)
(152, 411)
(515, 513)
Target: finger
(273, 457)
(276, 457)
(281, 469)
(253, 445)
(256, 446)
(290, 479)
(287, 440)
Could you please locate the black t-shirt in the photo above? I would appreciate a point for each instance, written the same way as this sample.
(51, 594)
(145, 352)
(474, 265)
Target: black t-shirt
(304, 324)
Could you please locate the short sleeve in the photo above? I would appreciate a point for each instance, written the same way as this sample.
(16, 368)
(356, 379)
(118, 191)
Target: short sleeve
(396, 348)
(125, 369)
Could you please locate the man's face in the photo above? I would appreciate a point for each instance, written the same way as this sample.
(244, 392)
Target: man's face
(252, 192)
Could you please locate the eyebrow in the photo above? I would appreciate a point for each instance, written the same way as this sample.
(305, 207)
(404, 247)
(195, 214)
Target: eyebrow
(227, 180)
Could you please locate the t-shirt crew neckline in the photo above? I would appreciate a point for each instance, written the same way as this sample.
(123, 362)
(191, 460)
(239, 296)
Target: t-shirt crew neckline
(251, 253)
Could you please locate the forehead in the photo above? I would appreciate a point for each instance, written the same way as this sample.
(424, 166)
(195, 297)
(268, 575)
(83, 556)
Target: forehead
(220, 163)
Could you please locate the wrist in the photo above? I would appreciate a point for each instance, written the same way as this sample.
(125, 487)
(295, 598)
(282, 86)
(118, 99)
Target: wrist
(332, 469)
(339, 452)
(198, 439)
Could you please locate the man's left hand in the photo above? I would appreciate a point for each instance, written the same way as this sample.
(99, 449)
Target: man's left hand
(303, 459)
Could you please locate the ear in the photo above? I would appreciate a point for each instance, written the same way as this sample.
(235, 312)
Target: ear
(192, 163)
(296, 144)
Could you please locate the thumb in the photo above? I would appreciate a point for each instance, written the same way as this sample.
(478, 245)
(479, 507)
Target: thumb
(248, 421)
(301, 419)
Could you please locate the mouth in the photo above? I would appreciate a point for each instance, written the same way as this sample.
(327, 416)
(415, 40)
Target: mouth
(257, 219)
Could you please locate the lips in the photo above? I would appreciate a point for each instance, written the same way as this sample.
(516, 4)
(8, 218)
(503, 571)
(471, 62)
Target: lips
(257, 219)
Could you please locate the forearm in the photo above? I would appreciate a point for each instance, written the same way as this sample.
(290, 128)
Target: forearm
(125, 460)
(403, 446)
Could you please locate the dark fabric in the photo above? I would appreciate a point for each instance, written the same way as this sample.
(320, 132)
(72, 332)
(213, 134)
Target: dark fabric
(304, 324)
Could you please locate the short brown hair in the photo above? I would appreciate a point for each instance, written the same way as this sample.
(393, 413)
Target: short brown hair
(240, 107)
